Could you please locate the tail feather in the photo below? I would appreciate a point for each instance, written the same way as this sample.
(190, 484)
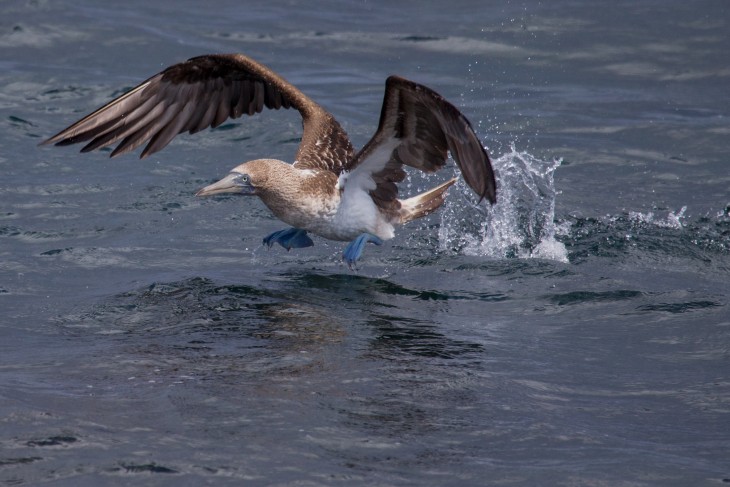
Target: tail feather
(424, 203)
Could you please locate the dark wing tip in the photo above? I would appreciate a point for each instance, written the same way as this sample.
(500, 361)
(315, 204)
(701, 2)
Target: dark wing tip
(490, 184)
(490, 192)
(463, 143)
(61, 142)
(60, 139)
(480, 177)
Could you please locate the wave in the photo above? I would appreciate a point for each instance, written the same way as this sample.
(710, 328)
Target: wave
(660, 237)
(523, 223)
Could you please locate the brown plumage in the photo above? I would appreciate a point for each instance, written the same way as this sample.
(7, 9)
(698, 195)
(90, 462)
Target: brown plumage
(325, 185)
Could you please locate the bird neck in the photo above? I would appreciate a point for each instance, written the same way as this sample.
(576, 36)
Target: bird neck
(292, 191)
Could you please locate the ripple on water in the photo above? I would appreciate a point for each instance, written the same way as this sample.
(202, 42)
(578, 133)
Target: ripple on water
(588, 297)
(705, 240)
(683, 307)
(194, 317)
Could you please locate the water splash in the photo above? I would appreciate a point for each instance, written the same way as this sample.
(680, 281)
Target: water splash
(520, 225)
(673, 220)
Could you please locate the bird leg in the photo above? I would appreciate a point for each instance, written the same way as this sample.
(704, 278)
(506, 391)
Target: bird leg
(289, 238)
(354, 249)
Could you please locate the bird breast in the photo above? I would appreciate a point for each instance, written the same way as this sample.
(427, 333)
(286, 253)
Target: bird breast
(317, 205)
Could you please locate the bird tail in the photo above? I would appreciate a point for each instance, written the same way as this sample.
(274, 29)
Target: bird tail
(424, 203)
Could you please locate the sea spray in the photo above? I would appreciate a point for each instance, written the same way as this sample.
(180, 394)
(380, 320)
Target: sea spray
(520, 225)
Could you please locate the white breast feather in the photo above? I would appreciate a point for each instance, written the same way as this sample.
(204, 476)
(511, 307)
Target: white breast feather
(357, 213)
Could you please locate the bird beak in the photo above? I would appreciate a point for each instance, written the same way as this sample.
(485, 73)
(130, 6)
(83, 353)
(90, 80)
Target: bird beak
(233, 183)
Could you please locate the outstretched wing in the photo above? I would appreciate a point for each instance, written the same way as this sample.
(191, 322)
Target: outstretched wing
(204, 92)
(417, 127)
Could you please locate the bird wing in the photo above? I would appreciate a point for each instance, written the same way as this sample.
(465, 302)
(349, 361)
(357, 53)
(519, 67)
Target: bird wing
(204, 92)
(417, 127)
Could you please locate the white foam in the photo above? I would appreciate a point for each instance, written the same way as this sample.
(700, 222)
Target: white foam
(673, 220)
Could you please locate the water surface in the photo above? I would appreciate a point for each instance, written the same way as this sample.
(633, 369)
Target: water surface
(577, 333)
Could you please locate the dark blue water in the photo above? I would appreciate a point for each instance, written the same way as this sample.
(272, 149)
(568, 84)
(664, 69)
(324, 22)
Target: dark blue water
(577, 333)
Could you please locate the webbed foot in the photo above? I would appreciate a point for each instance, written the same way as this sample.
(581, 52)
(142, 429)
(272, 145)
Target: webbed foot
(354, 249)
(289, 238)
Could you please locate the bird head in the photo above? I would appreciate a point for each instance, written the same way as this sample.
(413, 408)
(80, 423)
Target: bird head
(247, 179)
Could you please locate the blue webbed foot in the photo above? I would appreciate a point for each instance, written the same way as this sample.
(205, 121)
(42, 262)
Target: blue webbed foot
(354, 249)
(290, 238)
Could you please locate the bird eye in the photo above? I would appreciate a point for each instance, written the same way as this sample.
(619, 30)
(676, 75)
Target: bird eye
(241, 178)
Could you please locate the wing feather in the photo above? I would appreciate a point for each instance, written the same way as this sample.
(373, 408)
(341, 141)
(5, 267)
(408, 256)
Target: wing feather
(169, 131)
(144, 133)
(204, 92)
(124, 127)
(418, 128)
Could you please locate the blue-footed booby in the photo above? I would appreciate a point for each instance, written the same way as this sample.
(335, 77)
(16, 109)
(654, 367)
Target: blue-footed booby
(330, 190)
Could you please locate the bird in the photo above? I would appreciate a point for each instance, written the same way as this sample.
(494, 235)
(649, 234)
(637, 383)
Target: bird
(330, 190)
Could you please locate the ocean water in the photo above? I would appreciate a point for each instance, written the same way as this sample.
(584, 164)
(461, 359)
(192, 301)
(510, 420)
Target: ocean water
(576, 333)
